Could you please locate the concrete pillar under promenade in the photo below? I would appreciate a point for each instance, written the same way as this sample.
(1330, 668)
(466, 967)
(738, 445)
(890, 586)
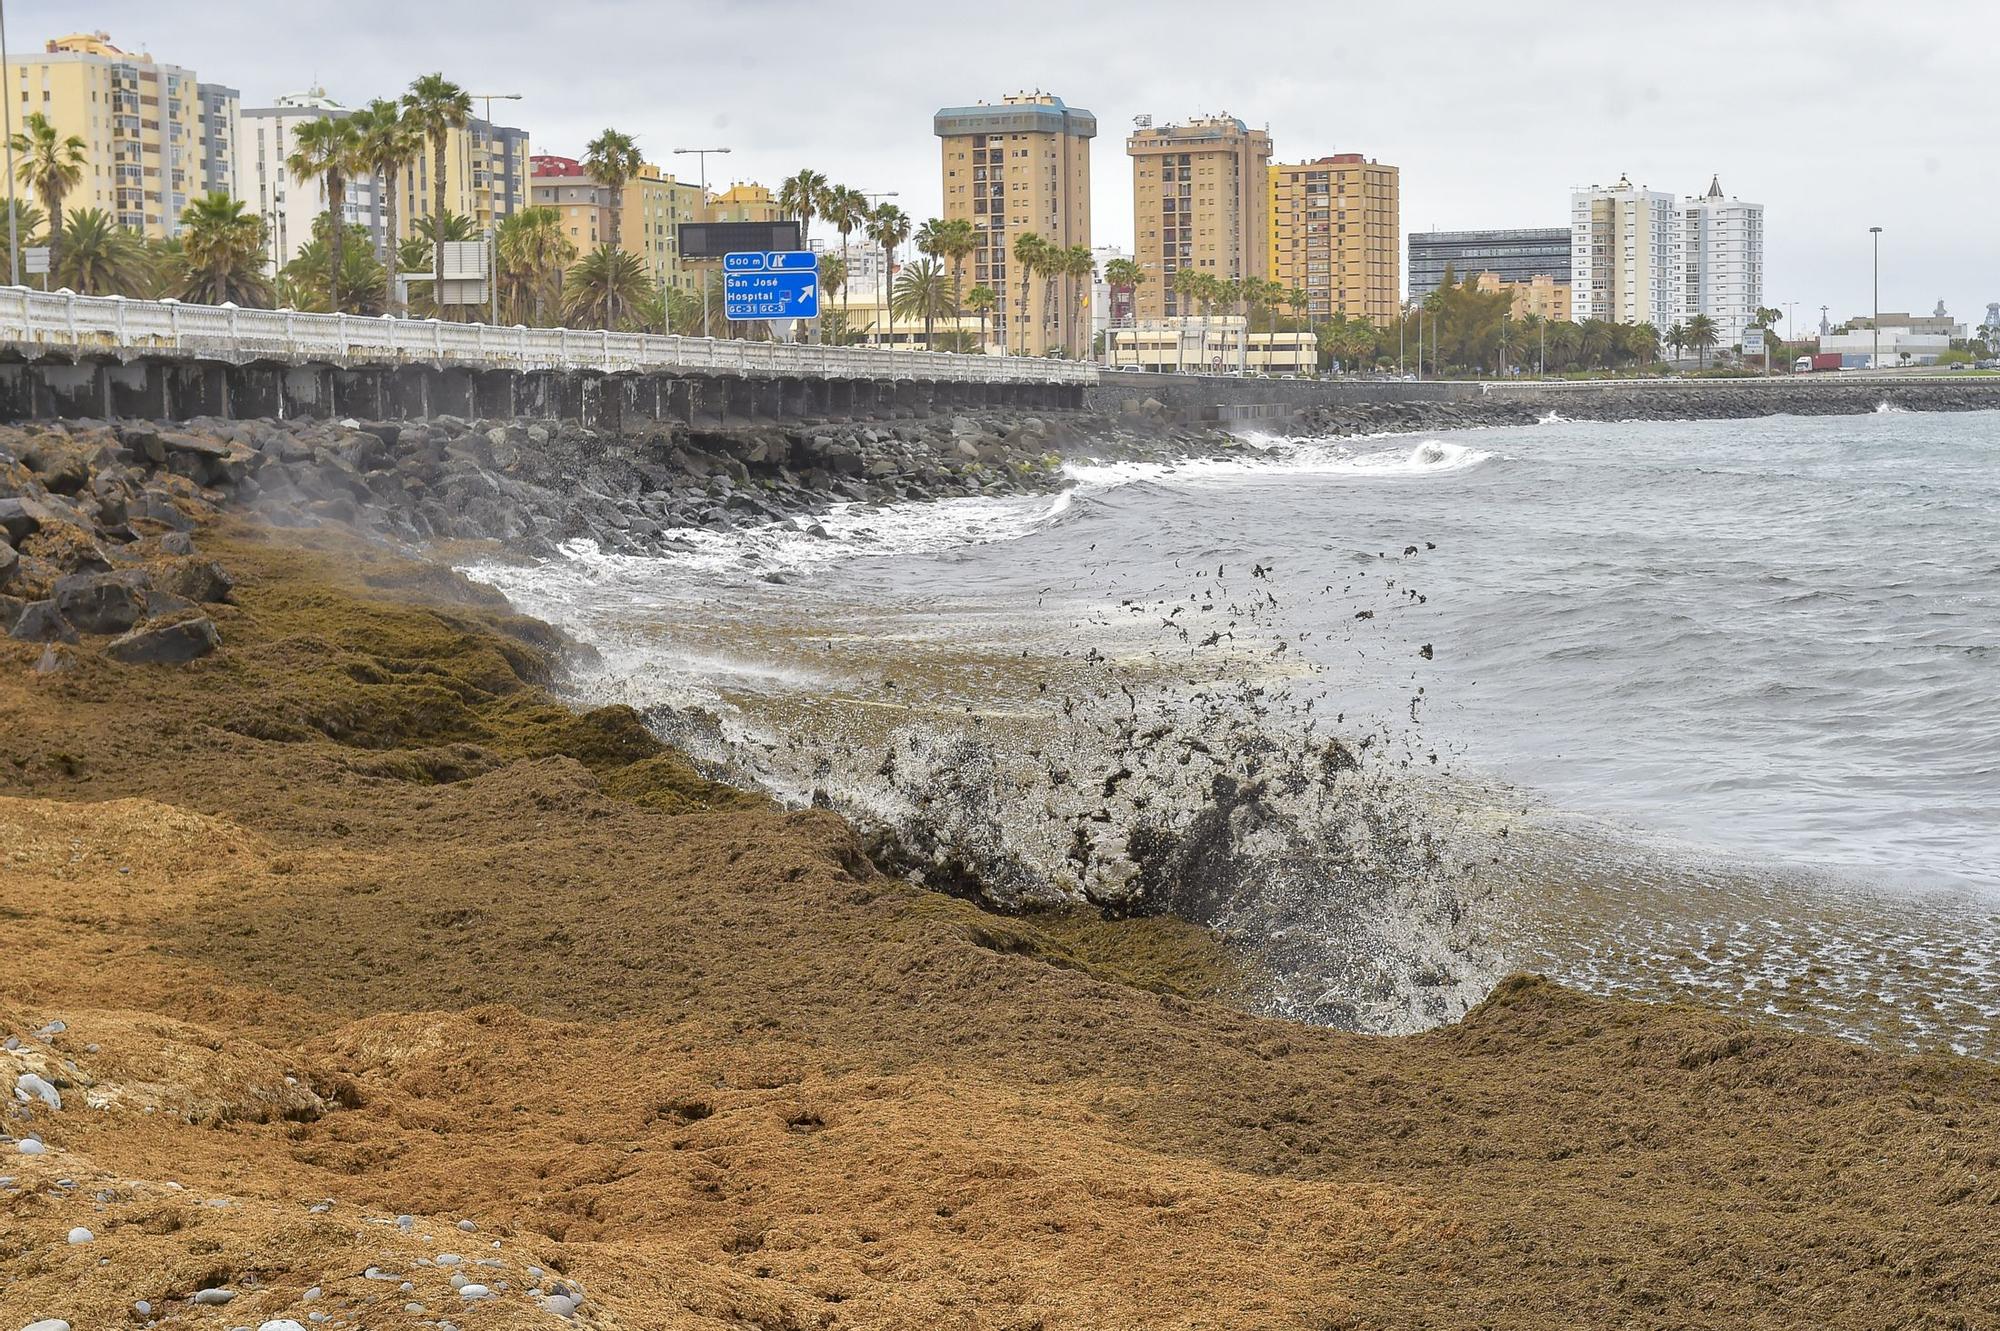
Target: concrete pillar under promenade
(795, 401)
(840, 399)
(534, 394)
(493, 393)
(452, 394)
(738, 399)
(677, 400)
(903, 394)
(133, 390)
(256, 389)
(408, 393)
(358, 392)
(767, 397)
(70, 390)
(195, 389)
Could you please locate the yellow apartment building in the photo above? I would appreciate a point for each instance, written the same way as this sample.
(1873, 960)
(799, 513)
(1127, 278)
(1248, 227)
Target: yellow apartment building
(1010, 168)
(1336, 234)
(744, 201)
(1201, 198)
(155, 137)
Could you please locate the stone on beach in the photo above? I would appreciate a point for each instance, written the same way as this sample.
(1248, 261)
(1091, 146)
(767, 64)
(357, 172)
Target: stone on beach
(28, 1086)
(81, 1235)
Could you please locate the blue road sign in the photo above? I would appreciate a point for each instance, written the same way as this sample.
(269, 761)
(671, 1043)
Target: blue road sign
(769, 261)
(780, 284)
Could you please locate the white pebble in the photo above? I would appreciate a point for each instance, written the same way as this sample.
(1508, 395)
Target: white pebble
(474, 1292)
(81, 1235)
(406, 1287)
(29, 1146)
(311, 1294)
(281, 1324)
(143, 1308)
(416, 1309)
(213, 1298)
(449, 1259)
(467, 1226)
(315, 1318)
(406, 1223)
(30, 1087)
(459, 1280)
(47, 1324)
(56, 1027)
(377, 1273)
(562, 1305)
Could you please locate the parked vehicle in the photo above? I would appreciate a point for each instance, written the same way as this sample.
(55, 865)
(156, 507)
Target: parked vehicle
(1821, 360)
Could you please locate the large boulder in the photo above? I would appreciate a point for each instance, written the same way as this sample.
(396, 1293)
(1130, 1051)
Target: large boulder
(195, 579)
(40, 621)
(102, 602)
(166, 644)
(19, 519)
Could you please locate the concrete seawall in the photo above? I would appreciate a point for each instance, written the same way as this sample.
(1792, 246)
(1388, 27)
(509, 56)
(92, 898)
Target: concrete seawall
(36, 385)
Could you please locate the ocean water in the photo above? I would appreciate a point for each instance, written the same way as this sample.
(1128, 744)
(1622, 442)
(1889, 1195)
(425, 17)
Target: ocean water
(1723, 698)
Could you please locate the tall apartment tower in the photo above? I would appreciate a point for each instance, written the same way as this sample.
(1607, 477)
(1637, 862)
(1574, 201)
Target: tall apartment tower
(1201, 199)
(288, 206)
(1626, 255)
(1019, 166)
(1723, 252)
(1336, 229)
(155, 137)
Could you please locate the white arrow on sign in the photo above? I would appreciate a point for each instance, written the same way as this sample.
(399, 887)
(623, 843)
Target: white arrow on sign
(806, 292)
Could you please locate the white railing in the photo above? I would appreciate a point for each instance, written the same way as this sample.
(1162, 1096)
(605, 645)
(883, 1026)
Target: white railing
(113, 323)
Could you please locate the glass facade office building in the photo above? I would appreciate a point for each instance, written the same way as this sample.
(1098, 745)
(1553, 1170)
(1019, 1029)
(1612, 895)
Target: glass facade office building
(1514, 256)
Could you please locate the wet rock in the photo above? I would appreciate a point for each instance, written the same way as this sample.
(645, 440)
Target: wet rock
(200, 580)
(102, 602)
(172, 643)
(41, 621)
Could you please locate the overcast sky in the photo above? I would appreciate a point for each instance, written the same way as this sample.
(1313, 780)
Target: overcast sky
(1835, 115)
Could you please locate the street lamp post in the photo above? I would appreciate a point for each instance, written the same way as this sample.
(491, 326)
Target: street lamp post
(702, 155)
(1875, 360)
(493, 223)
(7, 102)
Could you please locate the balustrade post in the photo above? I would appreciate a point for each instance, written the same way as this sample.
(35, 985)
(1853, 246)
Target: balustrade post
(173, 321)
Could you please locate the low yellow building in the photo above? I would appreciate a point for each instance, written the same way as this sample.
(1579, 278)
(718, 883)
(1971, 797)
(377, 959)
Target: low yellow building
(1217, 344)
(155, 138)
(745, 202)
(1541, 296)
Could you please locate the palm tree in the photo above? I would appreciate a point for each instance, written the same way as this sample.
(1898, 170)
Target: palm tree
(1123, 276)
(51, 165)
(982, 300)
(1079, 265)
(847, 210)
(1187, 285)
(1031, 255)
(99, 257)
(604, 288)
(801, 196)
(833, 282)
(533, 251)
(222, 253)
(1701, 335)
(956, 242)
(1642, 342)
(327, 148)
(923, 292)
(27, 222)
(612, 159)
(1677, 337)
(386, 144)
(888, 226)
(307, 282)
(434, 106)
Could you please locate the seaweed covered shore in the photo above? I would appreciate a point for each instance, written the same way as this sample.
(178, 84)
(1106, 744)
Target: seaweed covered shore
(352, 973)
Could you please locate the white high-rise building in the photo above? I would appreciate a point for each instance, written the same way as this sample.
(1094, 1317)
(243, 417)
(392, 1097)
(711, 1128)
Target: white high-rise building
(1626, 255)
(1723, 249)
(287, 207)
